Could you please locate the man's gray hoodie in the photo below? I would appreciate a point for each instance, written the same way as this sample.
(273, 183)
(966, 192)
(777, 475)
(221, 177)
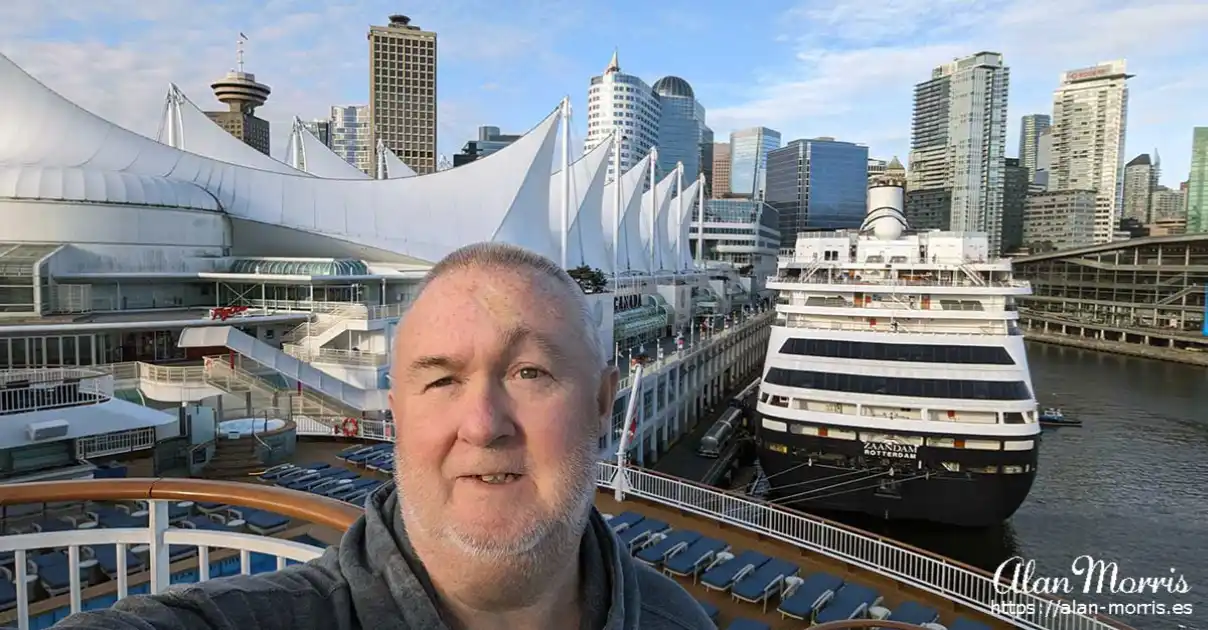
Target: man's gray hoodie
(372, 580)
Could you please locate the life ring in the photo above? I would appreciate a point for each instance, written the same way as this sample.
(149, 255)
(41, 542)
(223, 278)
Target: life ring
(349, 427)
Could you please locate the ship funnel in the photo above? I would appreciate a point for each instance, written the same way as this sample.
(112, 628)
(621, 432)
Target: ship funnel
(885, 218)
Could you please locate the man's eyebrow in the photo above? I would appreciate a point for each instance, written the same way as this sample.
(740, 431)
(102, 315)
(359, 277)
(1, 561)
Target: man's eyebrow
(516, 335)
(431, 362)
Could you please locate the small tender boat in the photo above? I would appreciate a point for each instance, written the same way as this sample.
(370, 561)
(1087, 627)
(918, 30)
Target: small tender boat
(1054, 417)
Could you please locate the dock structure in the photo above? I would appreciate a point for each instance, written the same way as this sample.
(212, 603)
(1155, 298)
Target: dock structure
(1142, 296)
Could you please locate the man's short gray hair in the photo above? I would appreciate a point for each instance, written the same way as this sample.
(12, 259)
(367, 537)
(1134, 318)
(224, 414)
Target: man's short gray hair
(504, 257)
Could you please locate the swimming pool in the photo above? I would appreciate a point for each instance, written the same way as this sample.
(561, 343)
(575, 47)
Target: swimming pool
(243, 427)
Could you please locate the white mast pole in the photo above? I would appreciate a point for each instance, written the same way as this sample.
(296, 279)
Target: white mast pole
(654, 209)
(565, 175)
(700, 221)
(616, 205)
(627, 429)
(679, 209)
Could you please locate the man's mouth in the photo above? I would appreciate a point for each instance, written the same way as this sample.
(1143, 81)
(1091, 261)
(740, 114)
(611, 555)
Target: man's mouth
(497, 478)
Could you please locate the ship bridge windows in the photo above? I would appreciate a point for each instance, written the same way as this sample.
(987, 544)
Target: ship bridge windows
(919, 353)
(898, 386)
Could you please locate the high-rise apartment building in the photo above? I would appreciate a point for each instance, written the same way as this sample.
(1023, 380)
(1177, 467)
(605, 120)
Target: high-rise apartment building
(1030, 128)
(1016, 186)
(958, 140)
(1197, 183)
(817, 184)
(351, 136)
(720, 185)
(749, 150)
(1056, 220)
(1167, 205)
(622, 103)
(402, 92)
(1044, 159)
(1140, 181)
(681, 119)
(1090, 115)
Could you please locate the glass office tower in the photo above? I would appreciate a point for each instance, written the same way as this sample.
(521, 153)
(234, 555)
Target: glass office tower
(817, 184)
(680, 124)
(749, 160)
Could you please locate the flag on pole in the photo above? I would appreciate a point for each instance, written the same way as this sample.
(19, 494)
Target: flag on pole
(242, 36)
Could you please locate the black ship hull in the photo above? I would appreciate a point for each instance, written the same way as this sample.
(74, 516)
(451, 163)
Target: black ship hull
(818, 473)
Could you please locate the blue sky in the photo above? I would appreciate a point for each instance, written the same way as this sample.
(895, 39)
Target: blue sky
(842, 68)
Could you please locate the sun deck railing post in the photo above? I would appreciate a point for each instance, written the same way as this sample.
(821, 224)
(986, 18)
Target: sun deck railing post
(157, 521)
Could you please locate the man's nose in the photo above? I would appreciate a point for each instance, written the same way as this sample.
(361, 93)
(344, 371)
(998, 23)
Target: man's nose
(486, 415)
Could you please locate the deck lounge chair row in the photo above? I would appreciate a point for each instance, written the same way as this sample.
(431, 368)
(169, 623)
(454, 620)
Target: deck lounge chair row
(379, 457)
(51, 568)
(324, 480)
(754, 577)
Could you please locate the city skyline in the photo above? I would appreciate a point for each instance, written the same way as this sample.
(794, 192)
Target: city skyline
(850, 78)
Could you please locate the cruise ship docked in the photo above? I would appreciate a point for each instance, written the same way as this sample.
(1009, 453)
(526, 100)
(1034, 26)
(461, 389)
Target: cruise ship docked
(896, 382)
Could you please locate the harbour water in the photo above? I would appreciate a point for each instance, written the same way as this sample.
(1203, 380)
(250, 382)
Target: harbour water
(1129, 486)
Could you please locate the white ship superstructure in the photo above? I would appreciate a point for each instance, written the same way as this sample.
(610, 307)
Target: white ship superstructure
(895, 365)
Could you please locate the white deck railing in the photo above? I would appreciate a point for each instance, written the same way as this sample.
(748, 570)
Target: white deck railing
(886, 557)
(151, 544)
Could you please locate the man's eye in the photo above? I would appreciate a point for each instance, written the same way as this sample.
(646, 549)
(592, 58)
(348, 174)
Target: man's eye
(530, 373)
(440, 382)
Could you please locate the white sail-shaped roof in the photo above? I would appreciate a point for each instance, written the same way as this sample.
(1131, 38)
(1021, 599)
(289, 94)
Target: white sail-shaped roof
(654, 222)
(187, 128)
(503, 197)
(394, 167)
(311, 155)
(680, 228)
(584, 245)
(628, 245)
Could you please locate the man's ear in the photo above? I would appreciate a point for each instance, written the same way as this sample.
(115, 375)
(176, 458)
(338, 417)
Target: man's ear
(607, 396)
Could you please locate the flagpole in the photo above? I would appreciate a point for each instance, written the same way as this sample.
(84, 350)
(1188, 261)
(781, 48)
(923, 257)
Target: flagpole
(629, 428)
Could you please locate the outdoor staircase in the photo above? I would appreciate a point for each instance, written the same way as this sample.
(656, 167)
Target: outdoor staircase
(234, 378)
(324, 326)
(234, 460)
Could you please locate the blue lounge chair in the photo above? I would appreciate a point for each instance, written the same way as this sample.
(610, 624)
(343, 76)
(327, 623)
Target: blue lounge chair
(209, 507)
(807, 597)
(852, 601)
(758, 586)
(913, 612)
(747, 624)
(343, 454)
(8, 595)
(176, 553)
(274, 472)
(205, 523)
(359, 457)
(54, 572)
(53, 525)
(965, 623)
(633, 537)
(691, 560)
(710, 610)
(624, 520)
(106, 559)
(265, 523)
(723, 575)
(667, 546)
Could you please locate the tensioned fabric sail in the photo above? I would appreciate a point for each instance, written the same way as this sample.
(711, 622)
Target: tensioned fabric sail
(585, 242)
(654, 224)
(186, 127)
(503, 197)
(628, 247)
(317, 158)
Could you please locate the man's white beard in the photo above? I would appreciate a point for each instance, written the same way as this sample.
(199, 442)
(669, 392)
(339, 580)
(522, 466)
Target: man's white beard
(546, 534)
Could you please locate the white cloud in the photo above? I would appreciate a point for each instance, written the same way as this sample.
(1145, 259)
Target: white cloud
(854, 68)
(116, 58)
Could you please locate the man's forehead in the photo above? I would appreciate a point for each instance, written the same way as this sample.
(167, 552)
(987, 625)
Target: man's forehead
(508, 297)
